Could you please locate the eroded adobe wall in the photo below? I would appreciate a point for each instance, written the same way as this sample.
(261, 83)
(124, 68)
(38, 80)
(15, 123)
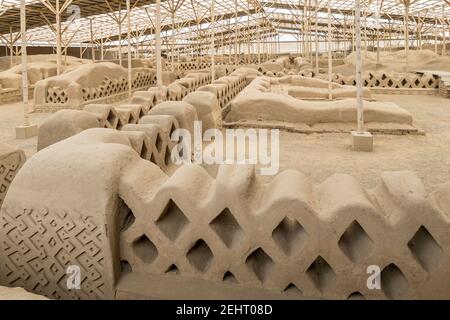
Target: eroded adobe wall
(156, 113)
(119, 215)
(11, 160)
(258, 104)
(93, 83)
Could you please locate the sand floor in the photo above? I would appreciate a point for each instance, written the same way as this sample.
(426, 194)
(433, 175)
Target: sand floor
(18, 294)
(321, 155)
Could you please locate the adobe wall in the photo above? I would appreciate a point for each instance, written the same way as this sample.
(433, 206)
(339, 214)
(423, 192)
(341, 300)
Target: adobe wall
(287, 237)
(11, 160)
(39, 67)
(92, 83)
(260, 105)
(153, 112)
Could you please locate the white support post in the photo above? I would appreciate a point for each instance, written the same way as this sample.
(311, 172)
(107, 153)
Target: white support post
(11, 51)
(444, 33)
(58, 38)
(378, 32)
(435, 37)
(330, 57)
(158, 45)
(213, 46)
(258, 37)
(26, 130)
(361, 140)
(92, 40)
(120, 35)
(407, 34)
(359, 96)
(172, 50)
(235, 33)
(130, 84)
(317, 36)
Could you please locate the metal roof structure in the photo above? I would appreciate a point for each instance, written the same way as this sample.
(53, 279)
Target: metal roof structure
(187, 23)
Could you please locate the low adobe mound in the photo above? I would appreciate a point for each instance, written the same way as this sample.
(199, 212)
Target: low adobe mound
(258, 105)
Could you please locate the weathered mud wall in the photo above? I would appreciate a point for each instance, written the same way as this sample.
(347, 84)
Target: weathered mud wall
(93, 83)
(118, 215)
(11, 160)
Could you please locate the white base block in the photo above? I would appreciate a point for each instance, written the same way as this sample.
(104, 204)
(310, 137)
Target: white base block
(25, 132)
(362, 141)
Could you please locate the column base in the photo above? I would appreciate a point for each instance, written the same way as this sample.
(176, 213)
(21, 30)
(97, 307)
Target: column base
(362, 141)
(25, 132)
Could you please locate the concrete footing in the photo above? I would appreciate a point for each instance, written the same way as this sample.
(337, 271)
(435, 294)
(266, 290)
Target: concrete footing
(25, 132)
(362, 141)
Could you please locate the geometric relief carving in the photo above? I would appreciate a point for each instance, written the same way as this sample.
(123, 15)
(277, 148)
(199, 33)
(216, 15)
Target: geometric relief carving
(37, 248)
(9, 166)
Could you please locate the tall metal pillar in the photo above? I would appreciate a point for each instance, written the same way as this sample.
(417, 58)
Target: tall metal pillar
(213, 46)
(330, 57)
(359, 90)
(130, 84)
(158, 45)
(26, 130)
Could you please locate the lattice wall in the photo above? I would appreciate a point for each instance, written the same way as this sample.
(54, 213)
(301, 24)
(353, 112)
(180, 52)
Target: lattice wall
(386, 80)
(288, 236)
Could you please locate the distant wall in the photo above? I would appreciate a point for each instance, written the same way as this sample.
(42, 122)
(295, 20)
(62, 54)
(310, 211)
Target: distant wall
(51, 50)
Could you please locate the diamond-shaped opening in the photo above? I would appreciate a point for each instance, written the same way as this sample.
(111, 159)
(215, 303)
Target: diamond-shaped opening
(125, 267)
(200, 256)
(145, 249)
(167, 156)
(425, 249)
(321, 273)
(173, 269)
(227, 228)
(152, 158)
(126, 217)
(356, 296)
(355, 242)
(229, 277)
(292, 289)
(289, 235)
(261, 264)
(172, 221)
(393, 282)
(144, 151)
(158, 143)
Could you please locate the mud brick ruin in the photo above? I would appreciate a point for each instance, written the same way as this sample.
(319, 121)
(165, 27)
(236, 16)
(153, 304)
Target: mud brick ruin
(115, 175)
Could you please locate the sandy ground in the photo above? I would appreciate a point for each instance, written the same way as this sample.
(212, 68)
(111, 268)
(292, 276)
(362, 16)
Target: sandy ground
(11, 115)
(18, 294)
(321, 155)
